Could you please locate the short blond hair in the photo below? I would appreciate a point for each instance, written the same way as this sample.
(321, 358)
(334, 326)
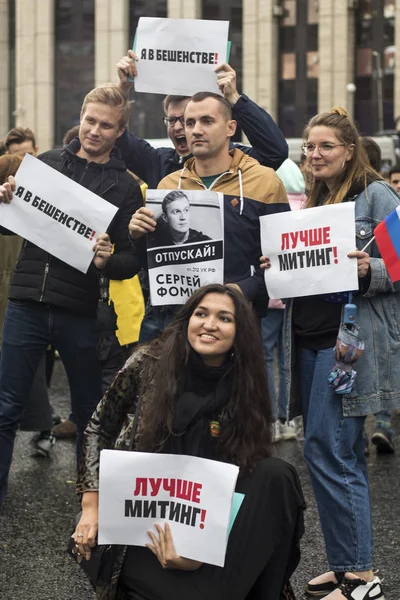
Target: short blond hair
(109, 94)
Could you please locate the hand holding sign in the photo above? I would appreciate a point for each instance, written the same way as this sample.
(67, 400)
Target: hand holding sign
(226, 79)
(363, 262)
(102, 250)
(7, 190)
(265, 262)
(142, 222)
(127, 69)
(163, 547)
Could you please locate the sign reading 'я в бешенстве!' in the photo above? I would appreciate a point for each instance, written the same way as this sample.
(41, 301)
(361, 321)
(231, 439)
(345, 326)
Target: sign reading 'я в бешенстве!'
(56, 214)
(178, 56)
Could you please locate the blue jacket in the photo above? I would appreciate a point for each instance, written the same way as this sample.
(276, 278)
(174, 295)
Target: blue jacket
(377, 385)
(269, 146)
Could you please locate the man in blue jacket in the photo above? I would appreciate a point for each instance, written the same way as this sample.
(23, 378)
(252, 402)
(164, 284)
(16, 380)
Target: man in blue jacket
(268, 145)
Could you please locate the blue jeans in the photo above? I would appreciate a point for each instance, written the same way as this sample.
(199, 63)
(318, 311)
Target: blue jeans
(271, 330)
(29, 327)
(155, 321)
(334, 453)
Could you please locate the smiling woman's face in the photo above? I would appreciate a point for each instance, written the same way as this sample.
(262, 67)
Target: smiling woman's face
(327, 166)
(212, 328)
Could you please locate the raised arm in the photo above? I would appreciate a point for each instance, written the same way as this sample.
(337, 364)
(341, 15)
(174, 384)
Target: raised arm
(268, 145)
(138, 155)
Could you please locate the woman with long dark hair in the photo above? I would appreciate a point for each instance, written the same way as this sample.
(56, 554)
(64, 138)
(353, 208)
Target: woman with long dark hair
(200, 390)
(333, 422)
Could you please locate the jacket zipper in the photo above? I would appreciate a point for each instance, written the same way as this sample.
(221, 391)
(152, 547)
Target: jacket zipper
(46, 272)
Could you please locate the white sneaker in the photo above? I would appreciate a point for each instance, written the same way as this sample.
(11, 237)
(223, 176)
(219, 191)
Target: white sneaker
(287, 430)
(298, 423)
(357, 589)
(276, 432)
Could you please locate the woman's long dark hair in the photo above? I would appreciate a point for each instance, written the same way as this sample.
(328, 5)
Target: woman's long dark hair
(246, 420)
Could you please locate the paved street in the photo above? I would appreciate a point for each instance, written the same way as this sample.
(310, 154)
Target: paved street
(37, 518)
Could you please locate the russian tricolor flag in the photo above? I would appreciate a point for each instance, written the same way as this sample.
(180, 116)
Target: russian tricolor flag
(387, 235)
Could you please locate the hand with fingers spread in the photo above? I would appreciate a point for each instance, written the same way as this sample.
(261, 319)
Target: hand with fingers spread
(265, 262)
(363, 262)
(127, 69)
(163, 548)
(102, 251)
(226, 79)
(86, 531)
(7, 190)
(142, 222)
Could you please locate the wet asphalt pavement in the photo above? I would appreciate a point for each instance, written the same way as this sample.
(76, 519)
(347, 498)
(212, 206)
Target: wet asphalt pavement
(37, 519)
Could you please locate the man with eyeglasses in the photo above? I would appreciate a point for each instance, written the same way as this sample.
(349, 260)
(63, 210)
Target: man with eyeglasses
(151, 165)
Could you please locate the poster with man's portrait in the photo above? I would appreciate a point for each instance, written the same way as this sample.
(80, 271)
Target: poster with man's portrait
(186, 249)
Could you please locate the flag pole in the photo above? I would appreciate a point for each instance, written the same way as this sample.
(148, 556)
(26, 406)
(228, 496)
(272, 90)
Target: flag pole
(369, 243)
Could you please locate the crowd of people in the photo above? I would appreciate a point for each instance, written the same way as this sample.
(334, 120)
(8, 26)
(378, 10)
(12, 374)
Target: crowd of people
(153, 378)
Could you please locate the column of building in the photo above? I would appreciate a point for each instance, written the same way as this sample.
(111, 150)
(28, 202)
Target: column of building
(34, 67)
(260, 53)
(184, 9)
(111, 37)
(397, 64)
(336, 54)
(4, 73)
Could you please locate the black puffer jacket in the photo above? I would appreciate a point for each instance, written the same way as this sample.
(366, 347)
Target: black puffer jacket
(41, 277)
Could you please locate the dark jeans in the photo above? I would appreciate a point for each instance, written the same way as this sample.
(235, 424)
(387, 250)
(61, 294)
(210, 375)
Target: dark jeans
(29, 327)
(38, 414)
(155, 321)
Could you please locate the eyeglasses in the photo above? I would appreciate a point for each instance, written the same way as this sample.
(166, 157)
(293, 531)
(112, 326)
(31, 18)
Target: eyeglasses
(170, 121)
(323, 149)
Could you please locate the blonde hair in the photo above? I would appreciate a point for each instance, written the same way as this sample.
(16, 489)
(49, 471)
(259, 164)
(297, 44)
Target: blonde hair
(357, 169)
(109, 94)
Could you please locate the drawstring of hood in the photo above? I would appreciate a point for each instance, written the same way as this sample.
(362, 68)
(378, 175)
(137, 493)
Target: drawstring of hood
(240, 185)
(241, 191)
(180, 177)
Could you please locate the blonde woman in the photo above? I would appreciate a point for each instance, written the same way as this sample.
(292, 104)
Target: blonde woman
(334, 447)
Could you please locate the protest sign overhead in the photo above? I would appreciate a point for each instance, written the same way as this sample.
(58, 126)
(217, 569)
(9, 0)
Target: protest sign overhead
(178, 56)
(194, 495)
(56, 213)
(186, 250)
(308, 251)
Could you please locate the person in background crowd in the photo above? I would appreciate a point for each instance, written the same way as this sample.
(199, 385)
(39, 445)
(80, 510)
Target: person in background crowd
(373, 152)
(51, 302)
(202, 391)
(272, 324)
(38, 415)
(3, 148)
(21, 140)
(333, 423)
(70, 135)
(382, 436)
(249, 189)
(394, 178)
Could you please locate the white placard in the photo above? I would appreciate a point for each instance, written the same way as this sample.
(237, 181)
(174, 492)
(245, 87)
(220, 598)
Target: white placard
(194, 495)
(176, 270)
(178, 56)
(56, 213)
(308, 251)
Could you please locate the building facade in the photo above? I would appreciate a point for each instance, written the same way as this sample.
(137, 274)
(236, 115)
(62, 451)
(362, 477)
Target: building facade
(293, 57)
